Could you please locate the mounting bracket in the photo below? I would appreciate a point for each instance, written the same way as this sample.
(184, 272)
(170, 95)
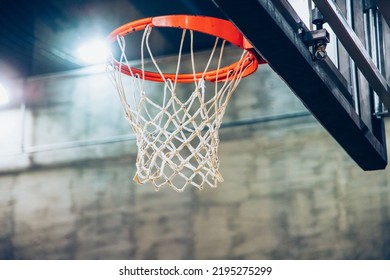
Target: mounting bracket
(318, 39)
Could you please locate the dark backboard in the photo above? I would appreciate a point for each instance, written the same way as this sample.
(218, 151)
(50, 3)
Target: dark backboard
(346, 90)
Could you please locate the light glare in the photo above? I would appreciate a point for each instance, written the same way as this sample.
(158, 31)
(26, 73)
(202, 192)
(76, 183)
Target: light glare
(4, 98)
(93, 52)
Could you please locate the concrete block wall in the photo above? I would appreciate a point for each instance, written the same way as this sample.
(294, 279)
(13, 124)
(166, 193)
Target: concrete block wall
(290, 192)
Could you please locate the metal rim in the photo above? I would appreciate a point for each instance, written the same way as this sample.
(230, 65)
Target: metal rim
(209, 25)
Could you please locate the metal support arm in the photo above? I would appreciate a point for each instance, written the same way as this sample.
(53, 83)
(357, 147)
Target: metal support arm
(355, 48)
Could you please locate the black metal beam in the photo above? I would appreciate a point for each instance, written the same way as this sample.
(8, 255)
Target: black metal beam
(279, 41)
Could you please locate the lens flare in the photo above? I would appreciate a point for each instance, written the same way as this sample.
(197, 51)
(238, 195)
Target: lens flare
(93, 52)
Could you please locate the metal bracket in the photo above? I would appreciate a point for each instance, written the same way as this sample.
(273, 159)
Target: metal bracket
(382, 114)
(318, 39)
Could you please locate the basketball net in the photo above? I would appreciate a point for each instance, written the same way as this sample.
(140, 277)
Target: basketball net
(177, 135)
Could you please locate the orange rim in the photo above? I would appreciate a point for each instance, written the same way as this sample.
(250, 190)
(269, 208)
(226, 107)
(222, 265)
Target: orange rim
(213, 26)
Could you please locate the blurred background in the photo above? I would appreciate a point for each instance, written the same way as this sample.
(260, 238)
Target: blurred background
(67, 157)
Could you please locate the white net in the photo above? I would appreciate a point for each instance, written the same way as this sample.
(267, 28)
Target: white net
(177, 132)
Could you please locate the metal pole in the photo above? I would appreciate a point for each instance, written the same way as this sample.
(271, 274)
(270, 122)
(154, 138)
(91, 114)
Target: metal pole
(380, 52)
(310, 7)
(381, 44)
(352, 66)
(374, 51)
(373, 33)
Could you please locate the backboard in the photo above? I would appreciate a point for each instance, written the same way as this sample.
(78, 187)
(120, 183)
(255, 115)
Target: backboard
(333, 56)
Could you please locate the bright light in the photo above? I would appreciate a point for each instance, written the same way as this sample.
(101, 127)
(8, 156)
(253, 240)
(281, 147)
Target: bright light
(93, 52)
(4, 98)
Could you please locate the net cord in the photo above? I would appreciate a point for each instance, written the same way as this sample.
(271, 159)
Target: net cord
(152, 165)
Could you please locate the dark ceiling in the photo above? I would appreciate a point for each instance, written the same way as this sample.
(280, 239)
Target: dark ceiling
(39, 37)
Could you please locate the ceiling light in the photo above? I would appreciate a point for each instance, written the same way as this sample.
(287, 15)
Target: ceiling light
(93, 52)
(4, 98)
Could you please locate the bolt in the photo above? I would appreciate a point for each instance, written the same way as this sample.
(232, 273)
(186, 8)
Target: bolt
(320, 52)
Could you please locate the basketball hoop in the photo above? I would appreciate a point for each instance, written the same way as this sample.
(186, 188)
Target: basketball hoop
(177, 134)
